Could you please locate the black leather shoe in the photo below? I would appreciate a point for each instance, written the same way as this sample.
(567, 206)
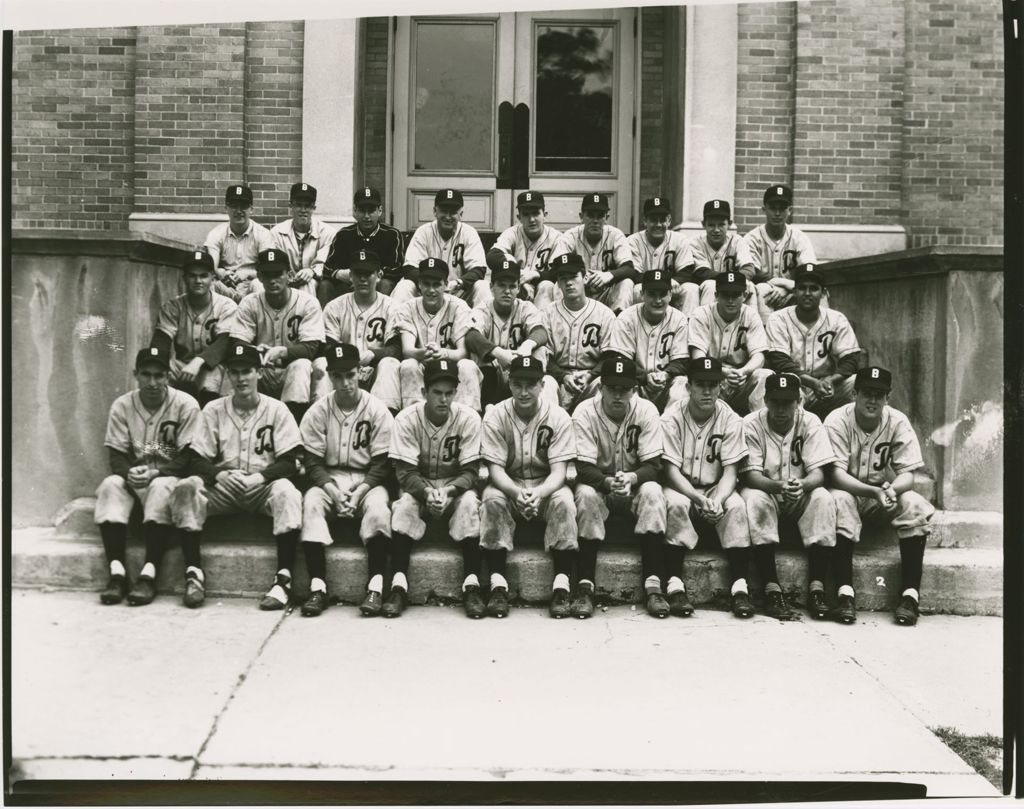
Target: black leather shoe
(473, 602)
(816, 605)
(906, 612)
(657, 606)
(497, 602)
(679, 604)
(559, 607)
(195, 591)
(582, 605)
(143, 592)
(846, 610)
(315, 604)
(742, 606)
(372, 603)
(776, 607)
(279, 594)
(116, 589)
(396, 603)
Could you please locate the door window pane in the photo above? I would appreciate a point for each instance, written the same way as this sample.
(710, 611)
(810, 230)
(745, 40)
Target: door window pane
(573, 119)
(453, 96)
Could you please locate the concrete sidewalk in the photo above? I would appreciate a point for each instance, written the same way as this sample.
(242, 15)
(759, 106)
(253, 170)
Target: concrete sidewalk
(228, 692)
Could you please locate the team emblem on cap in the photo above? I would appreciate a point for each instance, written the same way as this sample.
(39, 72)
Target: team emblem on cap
(238, 350)
(362, 255)
(597, 198)
(730, 277)
(783, 382)
(618, 367)
(874, 373)
(338, 352)
(707, 365)
(305, 187)
(238, 190)
(528, 197)
(657, 200)
(430, 262)
(778, 191)
(448, 194)
(270, 255)
(366, 192)
(717, 204)
(199, 255)
(153, 352)
(657, 275)
(443, 365)
(526, 362)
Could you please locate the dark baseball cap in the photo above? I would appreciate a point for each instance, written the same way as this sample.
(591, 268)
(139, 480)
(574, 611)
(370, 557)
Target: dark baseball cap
(526, 368)
(594, 202)
(200, 259)
(507, 269)
(434, 268)
(238, 195)
(153, 355)
(530, 199)
(807, 272)
(448, 197)
(434, 370)
(272, 261)
(302, 192)
(717, 207)
(568, 264)
(364, 261)
(656, 279)
(243, 354)
(778, 193)
(730, 281)
(618, 370)
(706, 368)
(782, 386)
(367, 196)
(657, 205)
(874, 378)
(342, 357)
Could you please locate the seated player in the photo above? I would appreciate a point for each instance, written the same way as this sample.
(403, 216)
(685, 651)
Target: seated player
(287, 326)
(653, 335)
(244, 453)
(235, 245)
(432, 326)
(784, 475)
(732, 333)
(192, 329)
(435, 447)
(703, 447)
(148, 430)
(658, 248)
(346, 436)
(528, 243)
(527, 443)
(578, 333)
(876, 453)
(453, 241)
(304, 239)
(608, 261)
(815, 343)
(618, 459)
(719, 250)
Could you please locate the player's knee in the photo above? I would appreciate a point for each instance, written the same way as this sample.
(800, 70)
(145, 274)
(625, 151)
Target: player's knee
(651, 495)
(587, 498)
(283, 491)
(111, 486)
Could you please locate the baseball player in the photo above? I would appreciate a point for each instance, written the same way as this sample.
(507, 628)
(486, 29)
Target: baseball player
(815, 343)
(731, 332)
(658, 248)
(346, 437)
(784, 474)
(527, 443)
(703, 447)
(148, 430)
(610, 275)
(436, 450)
(287, 326)
(529, 244)
(235, 245)
(450, 239)
(718, 250)
(578, 333)
(370, 234)
(618, 460)
(191, 327)
(304, 239)
(505, 328)
(430, 327)
(876, 453)
(245, 450)
(777, 249)
(653, 335)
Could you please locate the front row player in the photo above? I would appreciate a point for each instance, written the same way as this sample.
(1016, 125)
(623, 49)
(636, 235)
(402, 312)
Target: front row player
(876, 454)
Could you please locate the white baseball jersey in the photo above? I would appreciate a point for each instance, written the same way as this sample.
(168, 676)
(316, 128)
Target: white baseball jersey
(873, 458)
(252, 442)
(516, 246)
(463, 251)
(300, 320)
(651, 346)
(702, 451)
(611, 252)
(347, 439)
(778, 259)
(527, 449)
(439, 452)
(672, 255)
(779, 457)
(577, 339)
(617, 447)
(710, 263)
(731, 343)
(192, 331)
(232, 253)
(816, 348)
(445, 327)
(151, 438)
(345, 322)
(508, 332)
(307, 251)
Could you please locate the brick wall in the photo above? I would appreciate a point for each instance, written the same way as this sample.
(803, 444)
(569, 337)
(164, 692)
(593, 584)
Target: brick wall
(71, 142)
(652, 105)
(374, 119)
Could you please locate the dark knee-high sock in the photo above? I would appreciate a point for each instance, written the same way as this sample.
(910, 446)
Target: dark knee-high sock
(316, 560)
(912, 562)
(287, 548)
(471, 557)
(115, 540)
(190, 548)
(377, 555)
(157, 538)
(401, 548)
(563, 561)
(739, 563)
(842, 561)
(652, 555)
(675, 559)
(818, 557)
(586, 564)
(764, 561)
(497, 560)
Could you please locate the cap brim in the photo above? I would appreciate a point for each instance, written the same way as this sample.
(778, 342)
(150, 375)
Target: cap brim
(153, 361)
(526, 374)
(369, 269)
(618, 379)
(782, 395)
(730, 287)
(872, 385)
(602, 208)
(499, 274)
(271, 269)
(649, 211)
(706, 376)
(657, 286)
(342, 365)
(237, 363)
(449, 375)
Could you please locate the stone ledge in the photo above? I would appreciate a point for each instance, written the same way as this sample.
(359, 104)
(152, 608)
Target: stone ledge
(137, 246)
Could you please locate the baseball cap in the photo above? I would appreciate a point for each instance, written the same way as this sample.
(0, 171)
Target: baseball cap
(238, 195)
(730, 282)
(707, 368)
(782, 386)
(618, 370)
(272, 261)
(874, 378)
(159, 356)
(508, 269)
(528, 199)
(807, 272)
(200, 259)
(364, 260)
(717, 207)
(594, 202)
(434, 268)
(567, 264)
(342, 357)
(367, 196)
(778, 193)
(440, 369)
(243, 354)
(526, 368)
(448, 197)
(656, 205)
(656, 279)
(302, 192)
